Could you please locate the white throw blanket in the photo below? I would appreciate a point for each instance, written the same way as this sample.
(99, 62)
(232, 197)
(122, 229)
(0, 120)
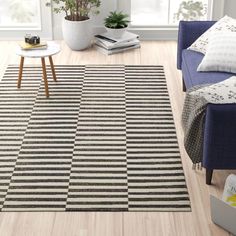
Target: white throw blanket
(194, 110)
(219, 93)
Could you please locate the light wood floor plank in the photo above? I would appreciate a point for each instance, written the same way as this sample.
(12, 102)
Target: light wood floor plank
(26, 224)
(76, 224)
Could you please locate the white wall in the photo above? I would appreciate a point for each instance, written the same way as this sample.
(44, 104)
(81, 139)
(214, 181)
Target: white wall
(230, 8)
(106, 7)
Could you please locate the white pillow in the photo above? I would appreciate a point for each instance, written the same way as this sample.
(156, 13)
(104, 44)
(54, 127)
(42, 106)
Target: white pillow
(226, 23)
(221, 53)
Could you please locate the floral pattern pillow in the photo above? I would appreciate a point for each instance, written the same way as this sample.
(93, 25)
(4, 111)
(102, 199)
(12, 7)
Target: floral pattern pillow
(225, 24)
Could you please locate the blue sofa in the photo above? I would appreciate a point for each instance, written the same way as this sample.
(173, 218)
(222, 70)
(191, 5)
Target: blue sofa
(219, 147)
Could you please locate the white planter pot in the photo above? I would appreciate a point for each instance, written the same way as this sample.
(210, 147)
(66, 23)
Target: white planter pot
(116, 33)
(77, 34)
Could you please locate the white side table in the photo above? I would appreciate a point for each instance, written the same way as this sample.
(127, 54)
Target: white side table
(51, 50)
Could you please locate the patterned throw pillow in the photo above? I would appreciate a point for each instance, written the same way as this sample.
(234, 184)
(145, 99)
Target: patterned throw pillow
(221, 53)
(226, 23)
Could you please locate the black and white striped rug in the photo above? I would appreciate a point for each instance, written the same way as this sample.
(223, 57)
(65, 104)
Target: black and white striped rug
(105, 140)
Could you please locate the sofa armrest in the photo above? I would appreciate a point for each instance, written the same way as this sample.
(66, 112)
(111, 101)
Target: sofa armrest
(188, 32)
(219, 148)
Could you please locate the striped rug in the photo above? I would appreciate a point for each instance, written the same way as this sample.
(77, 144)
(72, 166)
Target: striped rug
(105, 140)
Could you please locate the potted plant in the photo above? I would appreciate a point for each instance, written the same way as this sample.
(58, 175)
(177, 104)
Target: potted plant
(76, 26)
(116, 23)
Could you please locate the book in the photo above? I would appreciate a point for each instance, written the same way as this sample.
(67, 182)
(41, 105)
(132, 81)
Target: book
(109, 45)
(126, 37)
(27, 46)
(115, 50)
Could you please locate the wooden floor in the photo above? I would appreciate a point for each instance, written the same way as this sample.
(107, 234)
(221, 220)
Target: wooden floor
(197, 222)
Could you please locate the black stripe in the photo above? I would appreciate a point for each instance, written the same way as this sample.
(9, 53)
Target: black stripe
(141, 199)
(91, 209)
(34, 206)
(159, 206)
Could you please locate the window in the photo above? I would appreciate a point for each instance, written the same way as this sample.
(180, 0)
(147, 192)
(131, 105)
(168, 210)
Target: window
(20, 14)
(168, 12)
(18, 17)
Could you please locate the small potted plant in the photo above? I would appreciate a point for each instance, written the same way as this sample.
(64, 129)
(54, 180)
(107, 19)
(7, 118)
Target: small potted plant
(116, 23)
(76, 26)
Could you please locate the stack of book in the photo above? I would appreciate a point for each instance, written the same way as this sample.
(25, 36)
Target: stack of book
(108, 45)
(27, 46)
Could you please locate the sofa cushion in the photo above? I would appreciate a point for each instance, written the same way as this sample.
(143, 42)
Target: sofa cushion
(221, 53)
(190, 63)
(225, 24)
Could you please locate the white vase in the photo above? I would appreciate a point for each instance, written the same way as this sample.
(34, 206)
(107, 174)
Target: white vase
(77, 34)
(116, 33)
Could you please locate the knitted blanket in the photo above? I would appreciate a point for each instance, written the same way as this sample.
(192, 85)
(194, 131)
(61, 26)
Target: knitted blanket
(194, 111)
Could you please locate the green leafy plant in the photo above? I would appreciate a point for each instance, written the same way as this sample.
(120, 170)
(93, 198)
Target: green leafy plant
(116, 20)
(77, 10)
(190, 10)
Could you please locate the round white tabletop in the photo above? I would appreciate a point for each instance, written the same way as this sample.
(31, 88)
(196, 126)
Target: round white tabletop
(51, 50)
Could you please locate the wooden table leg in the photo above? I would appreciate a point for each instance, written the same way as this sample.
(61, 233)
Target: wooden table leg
(53, 69)
(20, 72)
(45, 77)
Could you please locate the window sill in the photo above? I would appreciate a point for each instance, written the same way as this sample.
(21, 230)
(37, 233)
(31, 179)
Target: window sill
(157, 33)
(159, 27)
